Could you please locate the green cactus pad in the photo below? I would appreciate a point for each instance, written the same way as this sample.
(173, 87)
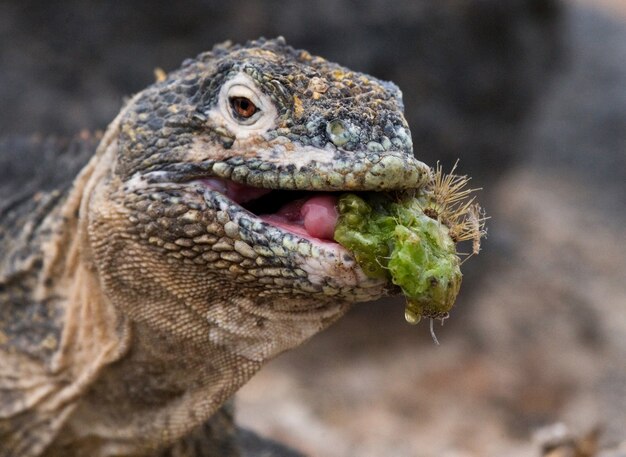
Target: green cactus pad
(391, 237)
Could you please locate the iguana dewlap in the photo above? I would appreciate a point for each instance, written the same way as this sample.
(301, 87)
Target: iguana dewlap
(195, 245)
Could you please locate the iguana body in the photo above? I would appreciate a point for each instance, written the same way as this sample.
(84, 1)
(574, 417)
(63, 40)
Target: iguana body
(136, 299)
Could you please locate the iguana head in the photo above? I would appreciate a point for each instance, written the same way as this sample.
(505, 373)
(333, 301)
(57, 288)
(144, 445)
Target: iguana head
(221, 191)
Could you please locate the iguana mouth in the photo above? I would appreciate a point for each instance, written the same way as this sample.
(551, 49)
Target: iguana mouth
(310, 214)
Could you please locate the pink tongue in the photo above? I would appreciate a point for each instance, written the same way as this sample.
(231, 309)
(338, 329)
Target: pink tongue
(320, 216)
(315, 217)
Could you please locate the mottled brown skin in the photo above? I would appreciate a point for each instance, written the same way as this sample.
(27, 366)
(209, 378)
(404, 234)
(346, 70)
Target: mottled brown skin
(136, 302)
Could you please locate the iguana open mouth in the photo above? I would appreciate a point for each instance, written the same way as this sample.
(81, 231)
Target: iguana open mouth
(310, 214)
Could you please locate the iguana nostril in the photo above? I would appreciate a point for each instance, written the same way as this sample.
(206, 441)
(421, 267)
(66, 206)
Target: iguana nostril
(337, 132)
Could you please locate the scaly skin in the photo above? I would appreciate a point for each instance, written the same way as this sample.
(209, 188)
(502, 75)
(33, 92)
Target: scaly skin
(154, 298)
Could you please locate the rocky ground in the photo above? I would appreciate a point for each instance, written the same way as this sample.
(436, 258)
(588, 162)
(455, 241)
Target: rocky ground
(531, 97)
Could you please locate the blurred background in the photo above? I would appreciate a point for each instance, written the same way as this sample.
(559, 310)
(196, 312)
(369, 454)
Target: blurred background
(530, 95)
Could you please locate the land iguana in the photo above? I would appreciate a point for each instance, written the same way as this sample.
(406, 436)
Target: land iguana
(138, 294)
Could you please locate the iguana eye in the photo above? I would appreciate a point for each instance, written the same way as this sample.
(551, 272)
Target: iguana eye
(242, 107)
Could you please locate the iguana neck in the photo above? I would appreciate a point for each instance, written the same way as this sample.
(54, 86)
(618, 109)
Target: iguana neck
(134, 391)
(94, 332)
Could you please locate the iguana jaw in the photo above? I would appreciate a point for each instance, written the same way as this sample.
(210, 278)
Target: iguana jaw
(305, 263)
(312, 266)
